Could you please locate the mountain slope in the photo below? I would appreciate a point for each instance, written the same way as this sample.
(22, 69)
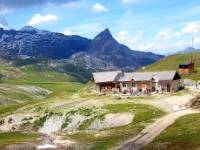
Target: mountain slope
(189, 50)
(87, 61)
(105, 53)
(106, 48)
(172, 62)
(101, 53)
(38, 43)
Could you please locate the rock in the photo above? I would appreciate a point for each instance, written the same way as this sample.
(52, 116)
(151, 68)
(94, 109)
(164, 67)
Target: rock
(53, 124)
(75, 121)
(112, 120)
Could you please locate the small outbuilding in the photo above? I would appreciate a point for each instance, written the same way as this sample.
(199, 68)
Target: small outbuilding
(186, 68)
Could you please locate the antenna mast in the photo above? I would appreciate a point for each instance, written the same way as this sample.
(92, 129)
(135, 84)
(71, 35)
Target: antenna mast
(192, 39)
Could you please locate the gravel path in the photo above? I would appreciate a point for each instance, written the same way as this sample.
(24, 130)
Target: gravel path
(153, 130)
(176, 106)
(172, 103)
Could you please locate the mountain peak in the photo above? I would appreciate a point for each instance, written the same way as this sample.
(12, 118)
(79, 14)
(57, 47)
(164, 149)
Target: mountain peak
(106, 31)
(29, 29)
(105, 34)
(188, 50)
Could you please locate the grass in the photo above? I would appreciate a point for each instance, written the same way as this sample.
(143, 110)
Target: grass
(62, 86)
(11, 108)
(31, 75)
(86, 123)
(172, 62)
(182, 92)
(60, 90)
(11, 95)
(143, 114)
(16, 138)
(182, 135)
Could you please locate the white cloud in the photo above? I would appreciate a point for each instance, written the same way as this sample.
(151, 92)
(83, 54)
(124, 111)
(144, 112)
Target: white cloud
(126, 38)
(3, 23)
(39, 19)
(164, 41)
(4, 27)
(191, 28)
(68, 32)
(99, 8)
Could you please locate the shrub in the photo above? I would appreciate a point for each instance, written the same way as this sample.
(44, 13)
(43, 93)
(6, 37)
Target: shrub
(10, 120)
(86, 112)
(40, 122)
(2, 121)
(66, 122)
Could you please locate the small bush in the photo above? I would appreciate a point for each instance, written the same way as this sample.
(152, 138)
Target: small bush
(86, 112)
(10, 120)
(118, 98)
(181, 88)
(40, 122)
(2, 121)
(86, 123)
(25, 119)
(66, 122)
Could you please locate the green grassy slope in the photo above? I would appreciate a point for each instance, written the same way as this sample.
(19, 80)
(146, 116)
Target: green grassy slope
(61, 84)
(16, 137)
(32, 75)
(182, 135)
(75, 73)
(172, 62)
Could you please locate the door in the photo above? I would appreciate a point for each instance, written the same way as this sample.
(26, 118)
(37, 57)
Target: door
(168, 88)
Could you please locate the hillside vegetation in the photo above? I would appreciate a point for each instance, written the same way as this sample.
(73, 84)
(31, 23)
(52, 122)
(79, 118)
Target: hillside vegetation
(172, 62)
(182, 135)
(31, 82)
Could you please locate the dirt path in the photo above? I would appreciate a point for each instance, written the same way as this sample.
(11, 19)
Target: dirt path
(176, 106)
(172, 103)
(153, 130)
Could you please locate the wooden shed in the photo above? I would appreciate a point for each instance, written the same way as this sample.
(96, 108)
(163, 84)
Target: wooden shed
(186, 68)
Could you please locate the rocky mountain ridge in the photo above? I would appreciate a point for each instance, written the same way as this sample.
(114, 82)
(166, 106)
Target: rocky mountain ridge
(101, 53)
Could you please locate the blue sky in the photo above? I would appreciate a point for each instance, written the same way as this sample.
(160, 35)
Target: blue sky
(160, 26)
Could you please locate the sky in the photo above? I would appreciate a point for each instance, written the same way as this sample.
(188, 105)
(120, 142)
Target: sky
(159, 26)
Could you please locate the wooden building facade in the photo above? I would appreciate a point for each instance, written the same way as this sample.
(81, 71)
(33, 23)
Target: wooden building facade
(146, 82)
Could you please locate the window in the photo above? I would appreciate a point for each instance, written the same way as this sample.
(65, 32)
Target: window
(124, 84)
(133, 84)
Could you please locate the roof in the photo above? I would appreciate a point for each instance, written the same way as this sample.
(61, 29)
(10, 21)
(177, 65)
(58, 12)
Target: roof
(109, 76)
(165, 75)
(146, 76)
(126, 77)
(187, 63)
(137, 76)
